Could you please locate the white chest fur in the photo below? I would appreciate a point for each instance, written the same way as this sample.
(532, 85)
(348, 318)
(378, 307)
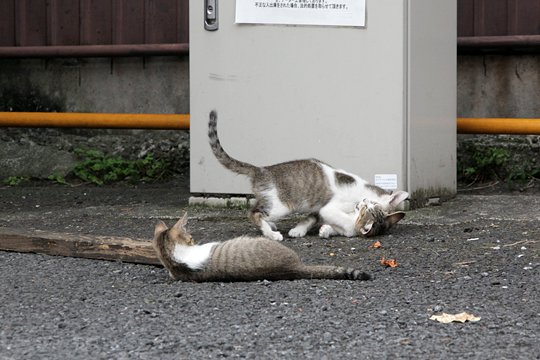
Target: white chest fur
(195, 256)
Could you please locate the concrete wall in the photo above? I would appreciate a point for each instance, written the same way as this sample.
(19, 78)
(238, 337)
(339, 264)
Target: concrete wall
(498, 86)
(123, 85)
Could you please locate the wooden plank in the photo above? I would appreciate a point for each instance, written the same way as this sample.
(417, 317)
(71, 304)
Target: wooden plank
(490, 17)
(128, 22)
(64, 22)
(77, 245)
(182, 21)
(31, 23)
(96, 18)
(7, 23)
(160, 22)
(523, 17)
(465, 18)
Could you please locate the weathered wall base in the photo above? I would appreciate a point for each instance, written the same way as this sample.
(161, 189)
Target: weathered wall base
(119, 85)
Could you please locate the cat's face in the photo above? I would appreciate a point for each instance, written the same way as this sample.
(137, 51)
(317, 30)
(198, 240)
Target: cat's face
(372, 220)
(177, 234)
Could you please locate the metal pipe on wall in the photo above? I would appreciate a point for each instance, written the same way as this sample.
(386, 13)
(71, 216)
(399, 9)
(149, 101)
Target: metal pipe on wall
(498, 44)
(95, 120)
(94, 50)
(518, 126)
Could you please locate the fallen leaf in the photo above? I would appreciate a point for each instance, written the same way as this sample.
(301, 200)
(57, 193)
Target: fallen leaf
(375, 245)
(448, 318)
(389, 262)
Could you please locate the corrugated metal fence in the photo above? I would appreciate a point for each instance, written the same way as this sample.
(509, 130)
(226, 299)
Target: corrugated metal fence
(498, 17)
(498, 26)
(93, 22)
(143, 27)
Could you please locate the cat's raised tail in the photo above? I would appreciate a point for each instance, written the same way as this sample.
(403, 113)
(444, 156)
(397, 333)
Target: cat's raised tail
(234, 165)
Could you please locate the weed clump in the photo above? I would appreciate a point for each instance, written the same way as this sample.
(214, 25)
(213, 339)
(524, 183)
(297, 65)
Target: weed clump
(99, 168)
(495, 163)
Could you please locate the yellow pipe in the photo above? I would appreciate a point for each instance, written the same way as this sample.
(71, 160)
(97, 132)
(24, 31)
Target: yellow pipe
(95, 120)
(181, 122)
(517, 126)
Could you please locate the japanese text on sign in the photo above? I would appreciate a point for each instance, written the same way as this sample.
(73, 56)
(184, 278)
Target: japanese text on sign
(386, 181)
(302, 12)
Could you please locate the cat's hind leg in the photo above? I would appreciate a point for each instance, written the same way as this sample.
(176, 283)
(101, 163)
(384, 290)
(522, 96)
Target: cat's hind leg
(268, 208)
(258, 219)
(303, 227)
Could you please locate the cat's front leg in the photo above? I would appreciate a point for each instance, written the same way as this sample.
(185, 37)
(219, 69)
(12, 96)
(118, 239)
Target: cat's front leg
(272, 225)
(341, 222)
(326, 231)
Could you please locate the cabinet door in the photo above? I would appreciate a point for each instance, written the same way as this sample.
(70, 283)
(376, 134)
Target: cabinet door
(285, 92)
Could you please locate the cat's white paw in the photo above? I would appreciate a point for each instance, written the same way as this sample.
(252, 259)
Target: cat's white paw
(275, 235)
(325, 231)
(269, 233)
(296, 232)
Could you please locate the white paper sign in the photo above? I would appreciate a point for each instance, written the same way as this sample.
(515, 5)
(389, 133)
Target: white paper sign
(386, 181)
(302, 12)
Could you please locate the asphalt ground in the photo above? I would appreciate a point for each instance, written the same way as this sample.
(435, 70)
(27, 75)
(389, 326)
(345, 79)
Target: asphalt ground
(475, 253)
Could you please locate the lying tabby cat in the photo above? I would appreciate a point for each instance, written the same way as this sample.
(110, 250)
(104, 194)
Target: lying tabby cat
(310, 186)
(239, 259)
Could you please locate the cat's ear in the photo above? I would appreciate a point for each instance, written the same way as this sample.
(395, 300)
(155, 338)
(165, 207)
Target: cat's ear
(181, 224)
(394, 218)
(160, 227)
(397, 197)
(184, 219)
(366, 228)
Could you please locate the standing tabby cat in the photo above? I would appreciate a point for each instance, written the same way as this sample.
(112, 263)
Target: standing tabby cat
(333, 197)
(238, 259)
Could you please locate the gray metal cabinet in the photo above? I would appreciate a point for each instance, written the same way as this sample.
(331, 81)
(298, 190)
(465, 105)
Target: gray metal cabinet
(378, 99)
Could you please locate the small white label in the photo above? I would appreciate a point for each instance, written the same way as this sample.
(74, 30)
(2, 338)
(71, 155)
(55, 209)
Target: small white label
(302, 12)
(386, 181)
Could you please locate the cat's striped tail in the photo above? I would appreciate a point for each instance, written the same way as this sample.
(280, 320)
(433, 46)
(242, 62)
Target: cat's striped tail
(333, 272)
(234, 165)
